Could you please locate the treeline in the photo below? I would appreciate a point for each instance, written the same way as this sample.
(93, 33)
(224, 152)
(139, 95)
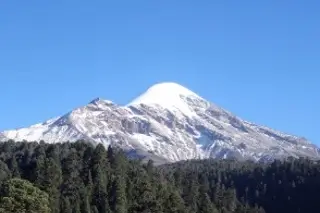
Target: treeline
(80, 178)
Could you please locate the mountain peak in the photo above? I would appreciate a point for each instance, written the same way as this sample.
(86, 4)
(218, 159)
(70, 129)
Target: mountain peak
(167, 95)
(170, 87)
(168, 121)
(98, 101)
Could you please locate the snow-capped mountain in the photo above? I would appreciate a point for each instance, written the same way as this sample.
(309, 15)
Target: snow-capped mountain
(171, 123)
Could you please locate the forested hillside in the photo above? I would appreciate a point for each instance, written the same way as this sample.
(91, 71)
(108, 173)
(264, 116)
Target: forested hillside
(79, 178)
(282, 186)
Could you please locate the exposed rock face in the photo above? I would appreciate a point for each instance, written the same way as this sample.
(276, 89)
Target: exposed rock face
(170, 123)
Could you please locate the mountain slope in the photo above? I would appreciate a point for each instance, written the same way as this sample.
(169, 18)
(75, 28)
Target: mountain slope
(170, 122)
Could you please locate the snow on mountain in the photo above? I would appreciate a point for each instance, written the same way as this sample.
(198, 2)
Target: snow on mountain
(171, 123)
(167, 96)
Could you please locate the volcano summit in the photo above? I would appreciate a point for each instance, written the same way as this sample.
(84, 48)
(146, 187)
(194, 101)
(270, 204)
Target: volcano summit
(171, 123)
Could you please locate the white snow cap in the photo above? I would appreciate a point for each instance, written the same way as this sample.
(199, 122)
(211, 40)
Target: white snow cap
(167, 95)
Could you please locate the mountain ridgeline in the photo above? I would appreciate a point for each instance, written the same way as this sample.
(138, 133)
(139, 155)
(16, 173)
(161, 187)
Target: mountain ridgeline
(168, 123)
(81, 178)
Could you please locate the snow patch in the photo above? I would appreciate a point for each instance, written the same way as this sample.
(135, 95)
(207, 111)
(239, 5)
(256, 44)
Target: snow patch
(168, 96)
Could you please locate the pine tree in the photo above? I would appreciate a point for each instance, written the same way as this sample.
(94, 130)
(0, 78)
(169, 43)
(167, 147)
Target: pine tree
(100, 171)
(51, 183)
(146, 198)
(71, 179)
(174, 203)
(205, 204)
(5, 173)
(191, 194)
(38, 167)
(218, 196)
(120, 203)
(111, 155)
(230, 199)
(13, 166)
(149, 167)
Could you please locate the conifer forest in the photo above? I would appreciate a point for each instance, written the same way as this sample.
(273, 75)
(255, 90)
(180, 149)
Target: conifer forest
(81, 178)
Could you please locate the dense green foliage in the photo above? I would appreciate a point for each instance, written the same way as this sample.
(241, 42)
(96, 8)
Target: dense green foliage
(21, 196)
(80, 178)
(281, 186)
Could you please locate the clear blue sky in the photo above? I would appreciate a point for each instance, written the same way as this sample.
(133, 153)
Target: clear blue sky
(258, 59)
